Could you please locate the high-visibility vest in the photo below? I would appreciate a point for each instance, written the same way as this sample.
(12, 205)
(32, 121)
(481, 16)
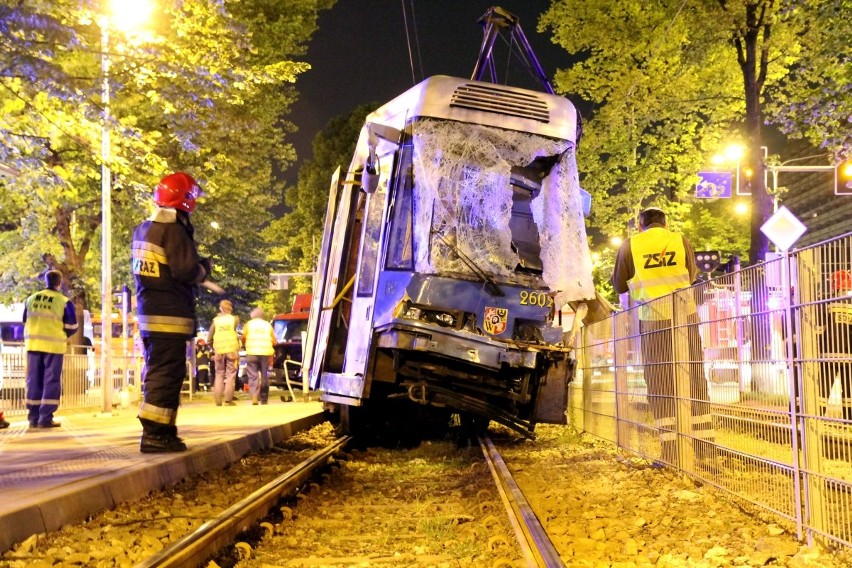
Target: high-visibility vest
(225, 338)
(44, 329)
(259, 337)
(659, 259)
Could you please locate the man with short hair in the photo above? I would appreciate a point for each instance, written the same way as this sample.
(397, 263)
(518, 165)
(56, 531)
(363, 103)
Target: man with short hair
(49, 320)
(649, 265)
(259, 340)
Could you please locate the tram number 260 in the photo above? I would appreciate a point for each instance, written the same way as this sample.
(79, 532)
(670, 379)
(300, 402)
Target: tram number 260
(542, 299)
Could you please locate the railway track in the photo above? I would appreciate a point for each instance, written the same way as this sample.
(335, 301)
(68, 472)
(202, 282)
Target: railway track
(537, 548)
(435, 505)
(442, 503)
(213, 535)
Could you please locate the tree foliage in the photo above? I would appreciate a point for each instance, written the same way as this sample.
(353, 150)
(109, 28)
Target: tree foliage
(668, 81)
(297, 236)
(205, 89)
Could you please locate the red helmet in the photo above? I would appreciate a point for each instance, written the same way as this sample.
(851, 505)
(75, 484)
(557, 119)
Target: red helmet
(178, 190)
(841, 281)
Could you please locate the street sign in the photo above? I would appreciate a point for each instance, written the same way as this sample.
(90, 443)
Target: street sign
(783, 228)
(713, 185)
(281, 280)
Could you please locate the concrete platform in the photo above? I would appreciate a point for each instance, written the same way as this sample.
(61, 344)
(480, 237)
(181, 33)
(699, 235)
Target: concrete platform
(49, 478)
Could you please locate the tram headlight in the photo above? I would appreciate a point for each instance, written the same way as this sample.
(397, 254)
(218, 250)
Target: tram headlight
(412, 313)
(441, 318)
(438, 317)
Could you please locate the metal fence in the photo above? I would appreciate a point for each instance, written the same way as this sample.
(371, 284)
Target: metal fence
(81, 380)
(744, 381)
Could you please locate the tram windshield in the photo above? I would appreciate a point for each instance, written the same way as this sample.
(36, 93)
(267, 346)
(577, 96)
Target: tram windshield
(509, 201)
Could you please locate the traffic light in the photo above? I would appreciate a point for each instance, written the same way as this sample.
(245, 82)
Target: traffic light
(746, 177)
(843, 177)
(708, 260)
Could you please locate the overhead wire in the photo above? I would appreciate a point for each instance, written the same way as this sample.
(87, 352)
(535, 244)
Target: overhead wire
(408, 43)
(417, 42)
(409, 30)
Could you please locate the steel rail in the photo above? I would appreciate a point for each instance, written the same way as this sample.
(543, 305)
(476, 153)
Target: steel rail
(192, 549)
(536, 546)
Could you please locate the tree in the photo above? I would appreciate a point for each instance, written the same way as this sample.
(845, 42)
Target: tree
(206, 91)
(295, 238)
(669, 80)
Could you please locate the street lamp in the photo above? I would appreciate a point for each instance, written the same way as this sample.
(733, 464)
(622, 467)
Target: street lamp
(124, 16)
(731, 154)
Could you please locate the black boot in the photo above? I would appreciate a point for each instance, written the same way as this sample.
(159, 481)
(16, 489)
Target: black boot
(161, 444)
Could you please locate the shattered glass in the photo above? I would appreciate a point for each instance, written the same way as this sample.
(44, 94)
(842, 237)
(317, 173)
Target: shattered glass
(463, 205)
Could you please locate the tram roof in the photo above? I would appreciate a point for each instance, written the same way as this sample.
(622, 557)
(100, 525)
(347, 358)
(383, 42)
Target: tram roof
(479, 102)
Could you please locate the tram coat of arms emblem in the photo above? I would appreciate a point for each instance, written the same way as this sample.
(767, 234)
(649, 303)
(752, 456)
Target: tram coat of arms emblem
(495, 320)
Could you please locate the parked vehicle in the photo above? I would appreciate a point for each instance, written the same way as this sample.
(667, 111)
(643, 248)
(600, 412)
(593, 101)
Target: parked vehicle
(290, 329)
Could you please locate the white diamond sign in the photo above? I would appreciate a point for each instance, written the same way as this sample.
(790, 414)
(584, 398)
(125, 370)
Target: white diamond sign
(783, 228)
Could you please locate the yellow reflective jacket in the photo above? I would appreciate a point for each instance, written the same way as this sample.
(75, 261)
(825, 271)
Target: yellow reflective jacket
(223, 334)
(659, 259)
(259, 338)
(49, 320)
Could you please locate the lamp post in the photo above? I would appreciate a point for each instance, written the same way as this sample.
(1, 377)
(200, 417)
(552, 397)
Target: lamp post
(132, 15)
(106, 230)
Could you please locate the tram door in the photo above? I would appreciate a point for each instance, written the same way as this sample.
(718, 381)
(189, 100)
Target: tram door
(330, 272)
(368, 264)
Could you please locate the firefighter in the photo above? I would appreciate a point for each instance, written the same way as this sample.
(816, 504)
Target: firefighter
(835, 343)
(650, 265)
(49, 320)
(226, 353)
(167, 270)
(202, 365)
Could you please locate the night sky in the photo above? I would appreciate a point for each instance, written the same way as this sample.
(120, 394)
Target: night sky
(360, 54)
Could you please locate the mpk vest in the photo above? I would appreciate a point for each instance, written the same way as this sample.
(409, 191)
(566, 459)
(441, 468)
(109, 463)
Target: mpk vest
(44, 330)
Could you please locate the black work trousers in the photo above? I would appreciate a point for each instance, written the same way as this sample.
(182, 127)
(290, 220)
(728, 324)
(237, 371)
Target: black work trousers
(165, 361)
(657, 349)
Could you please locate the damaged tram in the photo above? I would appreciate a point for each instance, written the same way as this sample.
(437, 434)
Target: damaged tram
(449, 248)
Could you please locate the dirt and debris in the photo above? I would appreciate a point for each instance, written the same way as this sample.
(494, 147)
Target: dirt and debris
(435, 505)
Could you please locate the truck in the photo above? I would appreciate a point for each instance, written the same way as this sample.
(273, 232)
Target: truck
(290, 329)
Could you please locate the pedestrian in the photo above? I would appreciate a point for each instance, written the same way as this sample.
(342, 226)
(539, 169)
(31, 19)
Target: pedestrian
(226, 348)
(202, 365)
(3, 423)
(835, 343)
(167, 270)
(49, 320)
(259, 340)
(652, 264)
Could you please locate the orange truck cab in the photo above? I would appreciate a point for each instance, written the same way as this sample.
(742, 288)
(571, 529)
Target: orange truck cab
(289, 329)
